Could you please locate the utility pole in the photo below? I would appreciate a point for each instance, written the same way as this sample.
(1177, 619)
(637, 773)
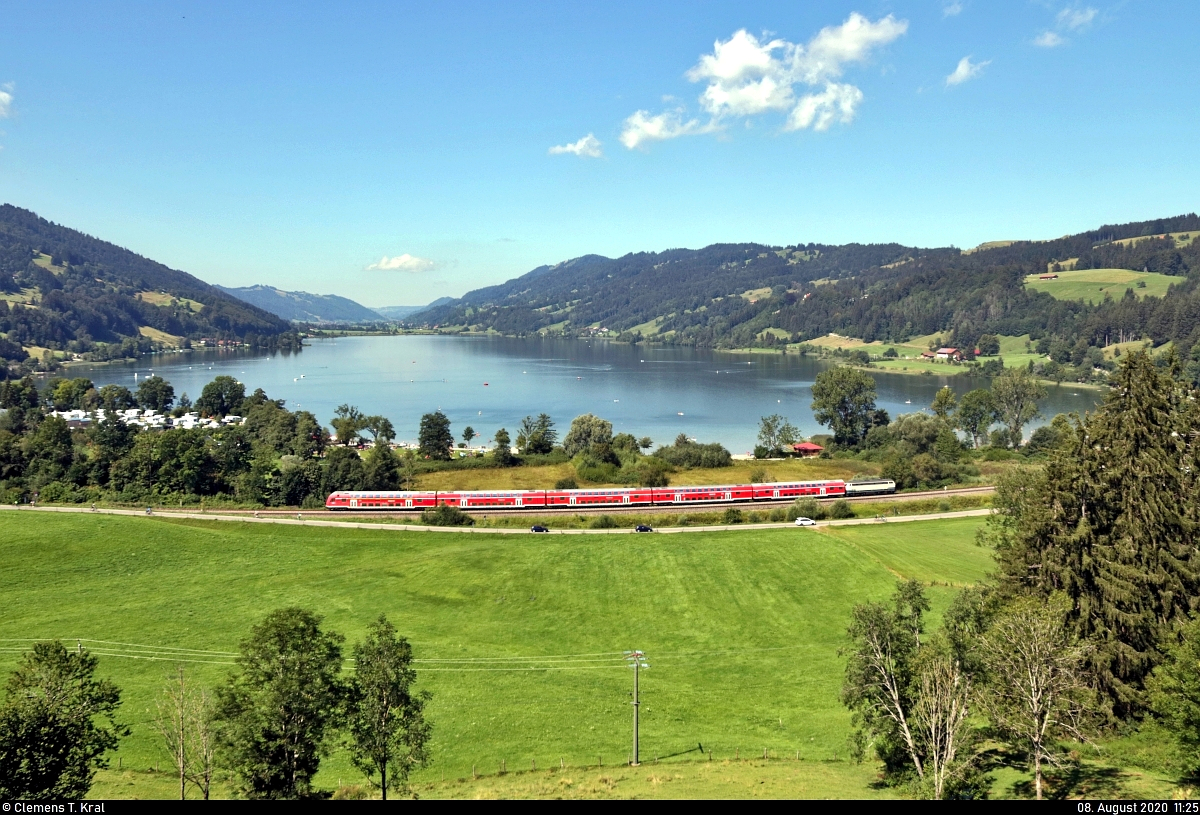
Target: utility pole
(637, 661)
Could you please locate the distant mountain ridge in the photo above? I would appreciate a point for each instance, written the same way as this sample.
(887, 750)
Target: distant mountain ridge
(404, 312)
(302, 307)
(743, 295)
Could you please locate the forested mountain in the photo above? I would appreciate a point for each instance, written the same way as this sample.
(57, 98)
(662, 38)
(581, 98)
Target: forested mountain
(302, 307)
(67, 291)
(729, 295)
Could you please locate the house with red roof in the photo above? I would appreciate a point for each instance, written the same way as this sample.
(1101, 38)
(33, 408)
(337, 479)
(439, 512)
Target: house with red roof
(807, 449)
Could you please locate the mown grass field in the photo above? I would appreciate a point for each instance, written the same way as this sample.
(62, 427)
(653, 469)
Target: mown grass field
(1093, 284)
(742, 628)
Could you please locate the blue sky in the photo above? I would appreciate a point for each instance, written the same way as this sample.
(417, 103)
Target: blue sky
(300, 145)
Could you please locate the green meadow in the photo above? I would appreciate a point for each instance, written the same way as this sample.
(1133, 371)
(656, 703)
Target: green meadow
(1093, 285)
(520, 638)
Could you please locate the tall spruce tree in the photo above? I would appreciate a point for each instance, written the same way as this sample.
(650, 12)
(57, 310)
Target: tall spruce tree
(1111, 523)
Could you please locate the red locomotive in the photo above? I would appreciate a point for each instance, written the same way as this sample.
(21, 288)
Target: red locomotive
(566, 499)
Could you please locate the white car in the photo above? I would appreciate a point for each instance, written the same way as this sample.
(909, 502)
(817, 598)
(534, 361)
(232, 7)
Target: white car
(805, 522)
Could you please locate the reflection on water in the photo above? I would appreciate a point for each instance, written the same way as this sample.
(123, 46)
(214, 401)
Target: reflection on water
(489, 383)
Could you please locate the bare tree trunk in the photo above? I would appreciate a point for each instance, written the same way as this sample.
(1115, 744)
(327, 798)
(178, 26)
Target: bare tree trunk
(201, 742)
(172, 724)
(882, 664)
(940, 716)
(383, 780)
(1037, 772)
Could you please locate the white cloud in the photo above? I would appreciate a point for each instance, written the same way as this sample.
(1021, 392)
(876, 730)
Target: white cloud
(1049, 39)
(966, 70)
(6, 98)
(748, 76)
(852, 41)
(952, 9)
(641, 127)
(820, 110)
(404, 263)
(588, 146)
(1076, 18)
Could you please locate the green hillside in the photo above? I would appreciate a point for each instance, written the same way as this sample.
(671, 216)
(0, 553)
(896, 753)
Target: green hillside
(753, 295)
(742, 628)
(1093, 285)
(65, 293)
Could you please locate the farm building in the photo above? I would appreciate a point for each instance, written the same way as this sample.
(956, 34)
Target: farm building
(949, 353)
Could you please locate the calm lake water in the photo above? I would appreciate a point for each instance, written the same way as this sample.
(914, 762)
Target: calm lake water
(489, 383)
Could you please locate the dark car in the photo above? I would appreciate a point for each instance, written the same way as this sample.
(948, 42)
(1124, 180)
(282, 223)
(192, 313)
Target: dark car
(538, 528)
(642, 528)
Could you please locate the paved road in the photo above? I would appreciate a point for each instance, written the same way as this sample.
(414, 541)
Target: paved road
(310, 520)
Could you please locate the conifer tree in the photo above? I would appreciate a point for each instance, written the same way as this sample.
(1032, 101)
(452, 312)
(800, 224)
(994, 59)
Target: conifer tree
(1111, 524)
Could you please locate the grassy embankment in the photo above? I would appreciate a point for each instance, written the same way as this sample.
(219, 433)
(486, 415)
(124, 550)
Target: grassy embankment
(742, 630)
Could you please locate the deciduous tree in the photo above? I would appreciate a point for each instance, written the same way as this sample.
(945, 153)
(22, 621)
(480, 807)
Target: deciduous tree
(976, 414)
(434, 437)
(277, 712)
(57, 722)
(1036, 693)
(380, 428)
(843, 399)
(775, 432)
(221, 397)
(154, 393)
(586, 432)
(387, 724)
(348, 422)
(1016, 395)
(503, 452)
(944, 404)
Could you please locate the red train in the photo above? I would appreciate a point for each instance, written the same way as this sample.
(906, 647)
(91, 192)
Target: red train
(565, 499)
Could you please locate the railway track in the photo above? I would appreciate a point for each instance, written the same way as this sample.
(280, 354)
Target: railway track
(671, 509)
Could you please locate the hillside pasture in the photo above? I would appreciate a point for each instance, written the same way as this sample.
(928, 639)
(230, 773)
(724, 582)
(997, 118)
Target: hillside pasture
(1181, 238)
(1092, 285)
(160, 336)
(742, 628)
(158, 298)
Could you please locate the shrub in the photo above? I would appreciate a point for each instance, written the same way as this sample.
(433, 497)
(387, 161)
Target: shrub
(56, 492)
(567, 483)
(777, 515)
(805, 508)
(943, 506)
(759, 476)
(446, 515)
(654, 478)
(688, 454)
(841, 509)
(733, 515)
(603, 522)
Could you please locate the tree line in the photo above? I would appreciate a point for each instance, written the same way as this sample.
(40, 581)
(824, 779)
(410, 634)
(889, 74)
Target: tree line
(275, 456)
(919, 449)
(265, 729)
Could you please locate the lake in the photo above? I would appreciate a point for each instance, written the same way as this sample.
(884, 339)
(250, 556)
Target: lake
(493, 382)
